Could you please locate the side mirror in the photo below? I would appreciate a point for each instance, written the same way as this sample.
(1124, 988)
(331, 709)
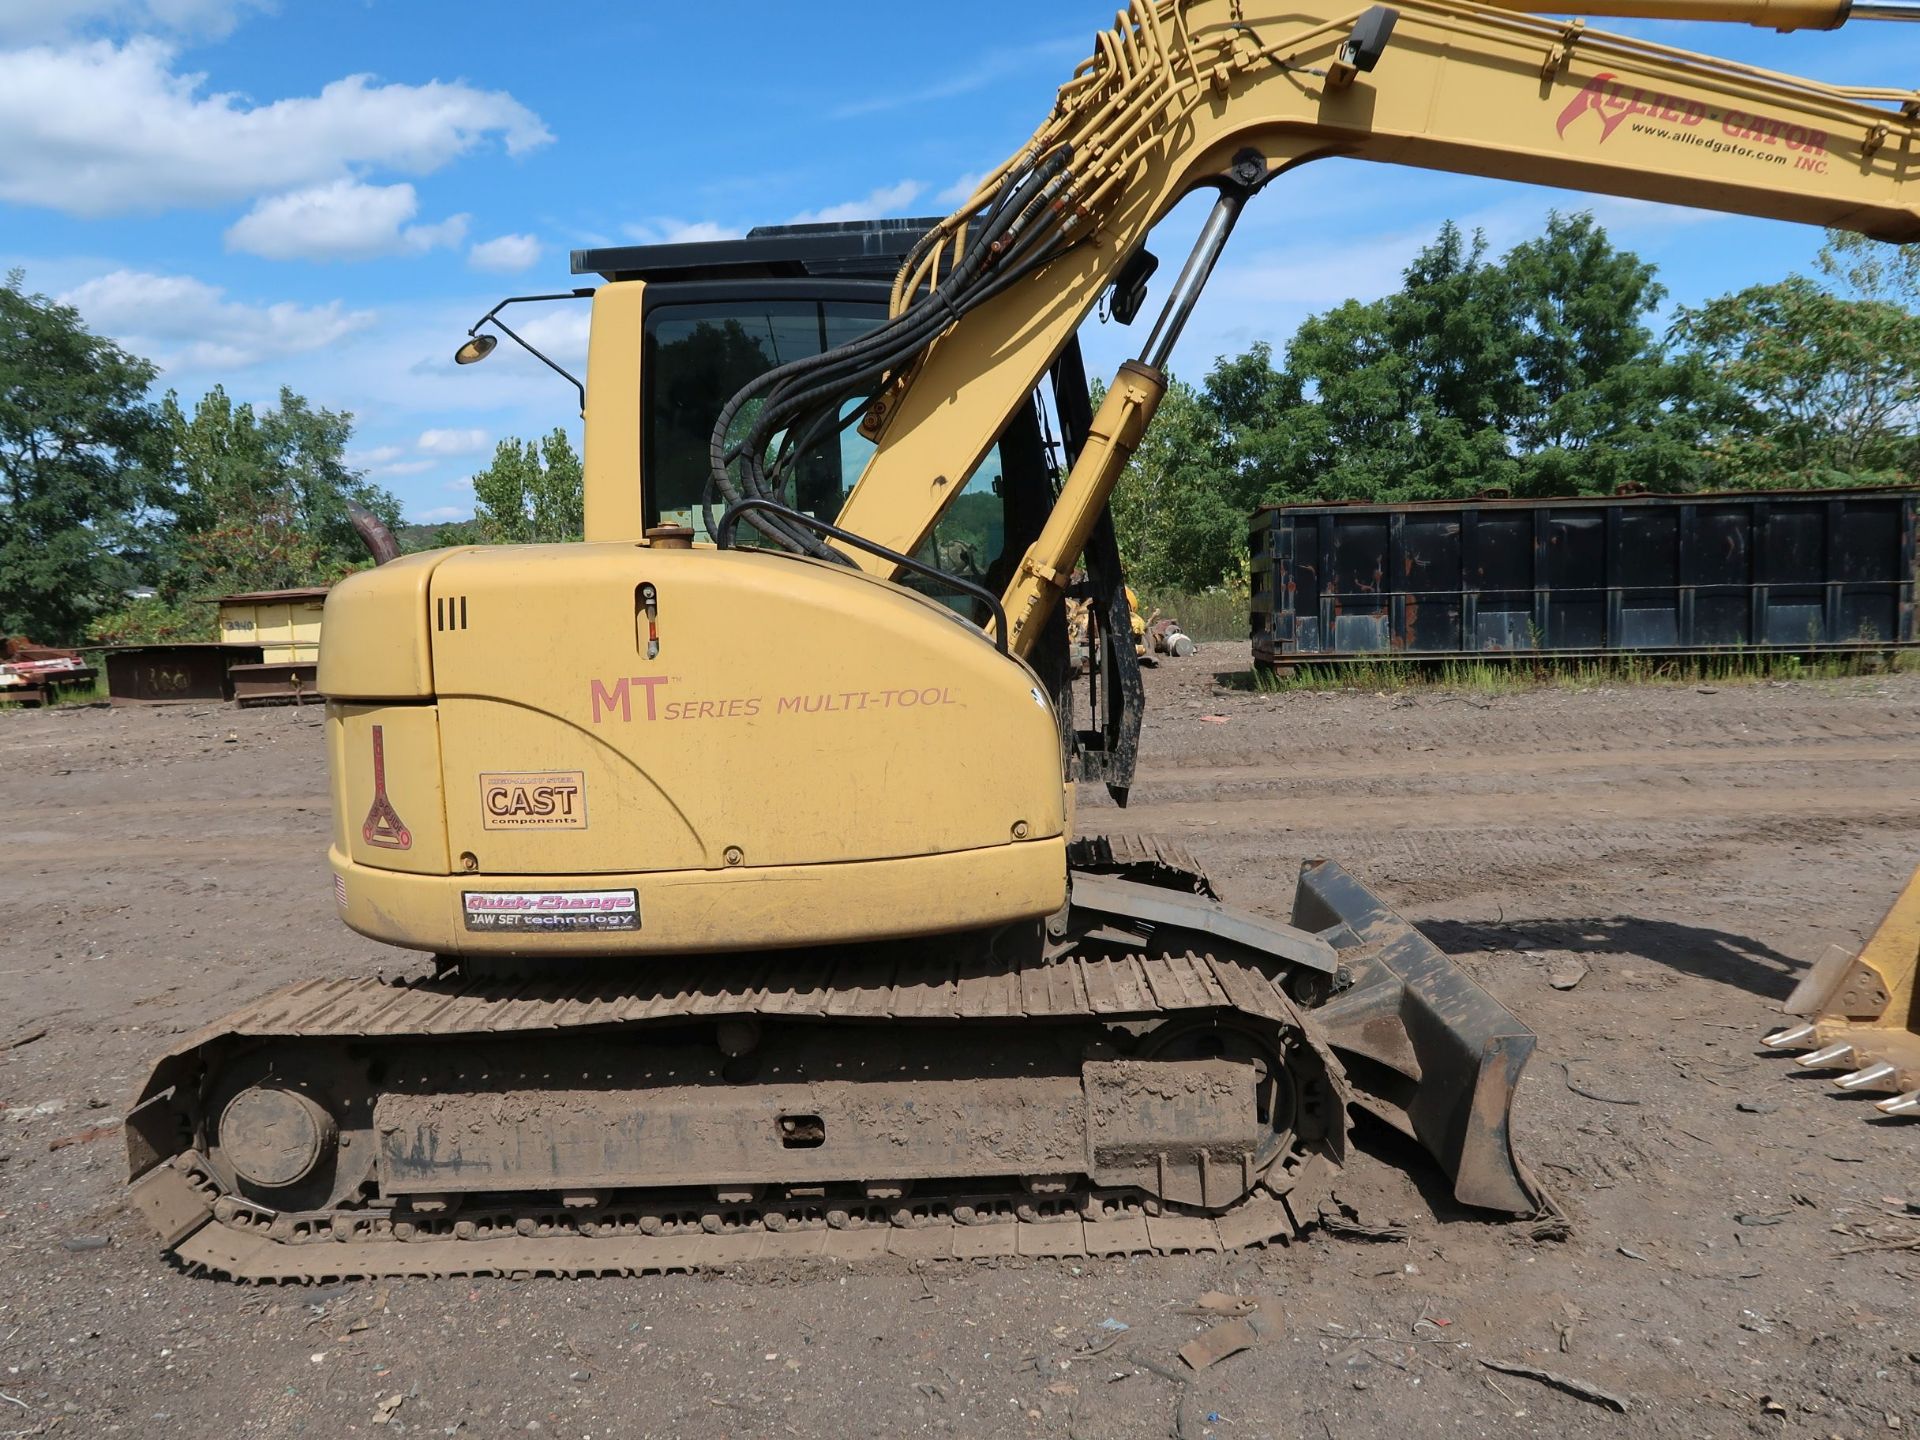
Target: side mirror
(1129, 290)
(1368, 42)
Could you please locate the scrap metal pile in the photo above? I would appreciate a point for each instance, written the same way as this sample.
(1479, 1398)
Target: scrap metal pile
(30, 673)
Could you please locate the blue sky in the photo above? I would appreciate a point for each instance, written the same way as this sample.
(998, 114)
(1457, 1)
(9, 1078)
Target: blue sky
(326, 193)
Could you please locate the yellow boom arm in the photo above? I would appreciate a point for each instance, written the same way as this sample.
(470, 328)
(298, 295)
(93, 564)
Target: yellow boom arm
(1180, 92)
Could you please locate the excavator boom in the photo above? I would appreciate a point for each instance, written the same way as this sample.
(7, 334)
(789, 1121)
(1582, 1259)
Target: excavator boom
(1230, 93)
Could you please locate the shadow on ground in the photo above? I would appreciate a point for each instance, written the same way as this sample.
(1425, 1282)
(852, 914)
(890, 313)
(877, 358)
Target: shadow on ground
(1718, 955)
(1396, 1152)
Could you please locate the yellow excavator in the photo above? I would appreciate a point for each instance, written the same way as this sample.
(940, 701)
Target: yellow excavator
(743, 833)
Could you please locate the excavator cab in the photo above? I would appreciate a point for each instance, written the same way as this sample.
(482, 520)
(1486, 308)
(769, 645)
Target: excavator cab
(715, 314)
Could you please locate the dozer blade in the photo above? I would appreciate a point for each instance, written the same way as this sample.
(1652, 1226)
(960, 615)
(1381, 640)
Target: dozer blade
(1861, 1013)
(1426, 1049)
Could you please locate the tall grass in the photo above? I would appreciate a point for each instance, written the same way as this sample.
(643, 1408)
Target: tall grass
(1210, 615)
(67, 694)
(1507, 676)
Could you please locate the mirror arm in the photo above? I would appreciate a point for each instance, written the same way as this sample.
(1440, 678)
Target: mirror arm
(492, 317)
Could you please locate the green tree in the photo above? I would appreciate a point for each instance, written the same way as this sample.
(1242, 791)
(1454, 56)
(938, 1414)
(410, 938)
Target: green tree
(77, 447)
(1599, 402)
(1827, 388)
(1176, 509)
(532, 493)
(1535, 373)
(1860, 268)
(260, 500)
(440, 535)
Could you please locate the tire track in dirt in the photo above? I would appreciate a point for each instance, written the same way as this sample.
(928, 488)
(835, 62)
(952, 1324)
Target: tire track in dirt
(1644, 802)
(1538, 763)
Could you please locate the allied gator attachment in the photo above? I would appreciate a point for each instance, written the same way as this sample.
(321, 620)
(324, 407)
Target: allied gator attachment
(1861, 1013)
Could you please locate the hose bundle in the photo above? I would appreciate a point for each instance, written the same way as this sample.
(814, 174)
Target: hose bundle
(801, 402)
(1121, 105)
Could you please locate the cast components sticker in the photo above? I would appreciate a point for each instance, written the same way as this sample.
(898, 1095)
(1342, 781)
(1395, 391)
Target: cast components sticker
(563, 911)
(533, 800)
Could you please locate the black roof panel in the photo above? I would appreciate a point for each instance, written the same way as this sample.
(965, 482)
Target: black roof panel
(855, 248)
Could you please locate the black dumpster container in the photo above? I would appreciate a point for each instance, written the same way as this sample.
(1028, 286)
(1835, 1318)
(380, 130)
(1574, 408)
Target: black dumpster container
(1797, 572)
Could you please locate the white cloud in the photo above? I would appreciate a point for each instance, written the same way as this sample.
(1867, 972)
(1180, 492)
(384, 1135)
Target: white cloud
(427, 453)
(100, 128)
(27, 20)
(440, 514)
(667, 231)
(988, 69)
(1623, 213)
(505, 254)
(961, 190)
(184, 323)
(887, 200)
(344, 220)
(559, 331)
(452, 442)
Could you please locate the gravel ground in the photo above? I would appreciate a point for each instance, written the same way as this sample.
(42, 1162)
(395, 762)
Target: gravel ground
(1683, 851)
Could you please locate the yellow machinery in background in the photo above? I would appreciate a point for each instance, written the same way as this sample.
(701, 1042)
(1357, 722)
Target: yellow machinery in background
(285, 625)
(751, 869)
(1860, 1012)
(1084, 638)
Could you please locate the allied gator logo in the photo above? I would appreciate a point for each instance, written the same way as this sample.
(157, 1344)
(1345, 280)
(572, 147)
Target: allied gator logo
(1615, 103)
(533, 800)
(1684, 120)
(383, 826)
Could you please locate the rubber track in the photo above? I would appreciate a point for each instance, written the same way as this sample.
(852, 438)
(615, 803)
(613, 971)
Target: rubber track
(254, 1258)
(1128, 987)
(1151, 859)
(178, 1197)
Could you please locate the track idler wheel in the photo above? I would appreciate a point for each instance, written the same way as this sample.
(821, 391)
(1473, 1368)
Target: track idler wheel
(288, 1131)
(274, 1138)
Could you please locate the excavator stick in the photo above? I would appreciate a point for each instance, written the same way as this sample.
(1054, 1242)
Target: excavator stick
(1425, 1048)
(1861, 1013)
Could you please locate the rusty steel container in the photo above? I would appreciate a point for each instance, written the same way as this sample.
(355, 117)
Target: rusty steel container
(1782, 572)
(172, 674)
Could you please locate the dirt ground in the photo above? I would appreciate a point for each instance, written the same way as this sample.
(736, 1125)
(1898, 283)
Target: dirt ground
(1690, 849)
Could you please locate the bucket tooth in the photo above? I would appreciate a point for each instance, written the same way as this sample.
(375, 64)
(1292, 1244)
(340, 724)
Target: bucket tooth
(1907, 1104)
(1832, 1057)
(1871, 1077)
(1788, 1038)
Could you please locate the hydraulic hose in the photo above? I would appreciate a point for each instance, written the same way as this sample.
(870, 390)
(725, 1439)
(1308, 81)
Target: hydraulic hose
(803, 401)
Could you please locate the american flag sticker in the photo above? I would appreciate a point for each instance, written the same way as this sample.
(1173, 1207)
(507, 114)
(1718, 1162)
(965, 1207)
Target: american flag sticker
(340, 891)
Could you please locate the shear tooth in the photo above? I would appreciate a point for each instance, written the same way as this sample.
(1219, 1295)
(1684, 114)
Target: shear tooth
(1907, 1104)
(1788, 1038)
(1830, 1058)
(1867, 1078)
